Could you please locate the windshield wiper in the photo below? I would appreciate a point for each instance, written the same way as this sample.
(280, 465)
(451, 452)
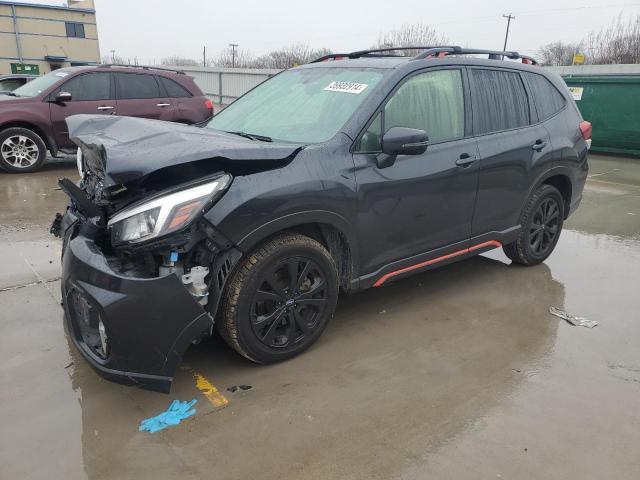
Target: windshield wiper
(253, 136)
(11, 94)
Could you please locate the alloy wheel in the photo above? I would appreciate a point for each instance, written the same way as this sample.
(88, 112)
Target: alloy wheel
(544, 226)
(289, 303)
(19, 151)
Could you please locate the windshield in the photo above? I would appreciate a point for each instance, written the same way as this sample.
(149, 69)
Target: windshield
(40, 84)
(302, 106)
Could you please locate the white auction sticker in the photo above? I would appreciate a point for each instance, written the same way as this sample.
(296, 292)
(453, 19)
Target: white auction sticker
(346, 87)
(576, 92)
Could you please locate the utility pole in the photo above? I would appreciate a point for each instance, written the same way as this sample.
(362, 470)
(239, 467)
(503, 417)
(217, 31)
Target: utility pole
(113, 56)
(233, 54)
(506, 36)
(204, 56)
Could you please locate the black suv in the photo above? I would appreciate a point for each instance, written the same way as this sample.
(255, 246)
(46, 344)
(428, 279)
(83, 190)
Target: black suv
(350, 172)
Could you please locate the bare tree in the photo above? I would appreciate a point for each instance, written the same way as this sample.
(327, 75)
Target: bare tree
(619, 42)
(178, 61)
(226, 58)
(559, 53)
(288, 57)
(411, 35)
(116, 59)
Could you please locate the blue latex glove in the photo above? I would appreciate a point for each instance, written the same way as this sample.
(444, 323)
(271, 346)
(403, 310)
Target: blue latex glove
(176, 412)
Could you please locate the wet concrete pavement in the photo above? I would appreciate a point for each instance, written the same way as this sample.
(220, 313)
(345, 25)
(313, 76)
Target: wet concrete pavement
(456, 373)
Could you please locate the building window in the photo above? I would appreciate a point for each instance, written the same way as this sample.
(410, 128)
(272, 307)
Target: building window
(75, 30)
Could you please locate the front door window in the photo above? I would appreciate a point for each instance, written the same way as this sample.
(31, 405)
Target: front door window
(433, 102)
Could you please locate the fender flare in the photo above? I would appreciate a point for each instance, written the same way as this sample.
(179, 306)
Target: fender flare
(291, 220)
(555, 170)
(39, 130)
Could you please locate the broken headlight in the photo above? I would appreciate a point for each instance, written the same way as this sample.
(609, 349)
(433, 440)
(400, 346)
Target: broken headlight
(164, 214)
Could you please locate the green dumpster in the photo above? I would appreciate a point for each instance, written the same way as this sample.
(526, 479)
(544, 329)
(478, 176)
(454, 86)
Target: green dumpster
(612, 104)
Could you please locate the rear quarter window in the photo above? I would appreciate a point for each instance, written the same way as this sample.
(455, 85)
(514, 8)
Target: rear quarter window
(174, 89)
(547, 99)
(500, 101)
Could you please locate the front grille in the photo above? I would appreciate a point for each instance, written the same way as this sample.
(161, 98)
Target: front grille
(86, 322)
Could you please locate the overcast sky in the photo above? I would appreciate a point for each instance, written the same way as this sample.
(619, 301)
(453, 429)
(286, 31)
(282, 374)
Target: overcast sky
(152, 29)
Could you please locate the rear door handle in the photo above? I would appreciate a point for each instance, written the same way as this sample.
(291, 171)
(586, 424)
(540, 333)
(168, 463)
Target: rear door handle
(163, 104)
(539, 145)
(105, 107)
(465, 160)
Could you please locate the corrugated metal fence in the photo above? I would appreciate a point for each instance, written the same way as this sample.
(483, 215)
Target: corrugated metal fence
(581, 70)
(224, 85)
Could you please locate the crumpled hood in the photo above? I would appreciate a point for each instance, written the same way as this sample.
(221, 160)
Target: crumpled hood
(129, 148)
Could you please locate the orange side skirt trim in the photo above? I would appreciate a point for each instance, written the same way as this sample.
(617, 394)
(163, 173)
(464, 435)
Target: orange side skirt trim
(387, 276)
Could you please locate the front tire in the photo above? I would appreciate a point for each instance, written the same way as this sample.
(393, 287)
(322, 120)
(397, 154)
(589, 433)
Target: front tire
(280, 299)
(21, 150)
(541, 221)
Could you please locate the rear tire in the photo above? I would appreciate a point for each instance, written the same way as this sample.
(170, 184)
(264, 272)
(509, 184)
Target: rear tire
(279, 299)
(541, 220)
(21, 150)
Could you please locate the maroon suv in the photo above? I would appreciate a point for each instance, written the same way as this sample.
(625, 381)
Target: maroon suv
(32, 117)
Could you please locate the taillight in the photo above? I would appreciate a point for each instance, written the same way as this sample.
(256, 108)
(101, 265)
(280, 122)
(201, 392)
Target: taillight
(208, 104)
(585, 129)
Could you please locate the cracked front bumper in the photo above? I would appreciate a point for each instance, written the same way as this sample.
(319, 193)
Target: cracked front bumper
(147, 323)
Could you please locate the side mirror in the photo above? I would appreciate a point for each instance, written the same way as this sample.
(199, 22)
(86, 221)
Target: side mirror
(401, 141)
(63, 97)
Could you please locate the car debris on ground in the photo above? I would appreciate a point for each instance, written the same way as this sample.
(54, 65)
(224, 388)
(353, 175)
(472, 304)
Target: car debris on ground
(234, 388)
(571, 319)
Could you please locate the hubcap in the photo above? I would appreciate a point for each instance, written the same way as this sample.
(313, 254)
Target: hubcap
(544, 226)
(19, 151)
(289, 303)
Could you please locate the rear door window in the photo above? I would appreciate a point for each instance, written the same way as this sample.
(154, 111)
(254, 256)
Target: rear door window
(89, 87)
(137, 85)
(500, 101)
(547, 98)
(174, 89)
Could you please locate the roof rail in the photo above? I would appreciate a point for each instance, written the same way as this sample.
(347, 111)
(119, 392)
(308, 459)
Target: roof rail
(429, 52)
(331, 56)
(492, 54)
(376, 52)
(144, 67)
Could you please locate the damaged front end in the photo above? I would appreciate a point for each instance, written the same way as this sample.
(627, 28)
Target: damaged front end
(142, 270)
(136, 288)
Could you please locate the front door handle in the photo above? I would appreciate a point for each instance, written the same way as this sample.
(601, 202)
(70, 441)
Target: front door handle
(163, 104)
(465, 160)
(105, 107)
(539, 145)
